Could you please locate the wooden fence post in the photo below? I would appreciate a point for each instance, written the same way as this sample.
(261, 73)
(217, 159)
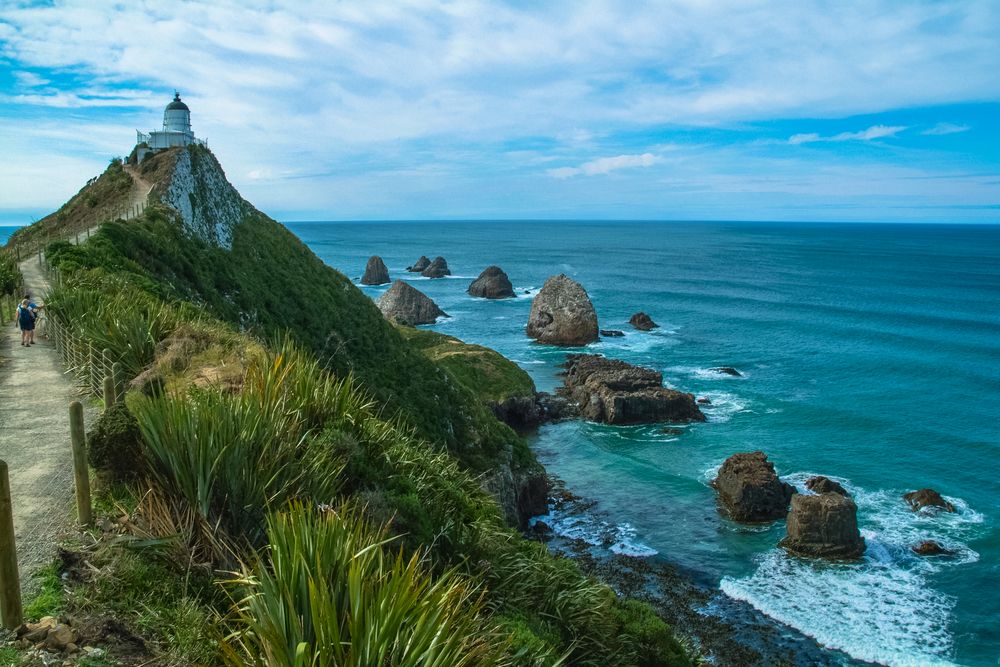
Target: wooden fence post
(82, 473)
(10, 582)
(109, 392)
(116, 378)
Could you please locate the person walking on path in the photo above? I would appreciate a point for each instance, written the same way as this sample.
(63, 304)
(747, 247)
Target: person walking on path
(36, 311)
(25, 322)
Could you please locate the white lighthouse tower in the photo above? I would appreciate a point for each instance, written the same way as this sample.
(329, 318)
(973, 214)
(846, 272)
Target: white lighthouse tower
(176, 130)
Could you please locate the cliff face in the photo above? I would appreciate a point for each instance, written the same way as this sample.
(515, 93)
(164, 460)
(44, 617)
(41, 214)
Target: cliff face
(209, 206)
(201, 242)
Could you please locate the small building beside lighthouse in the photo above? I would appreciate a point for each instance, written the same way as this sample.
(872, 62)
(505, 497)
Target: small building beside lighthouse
(176, 130)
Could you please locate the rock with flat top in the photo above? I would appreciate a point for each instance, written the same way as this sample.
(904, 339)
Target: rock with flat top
(615, 392)
(562, 314)
(492, 283)
(750, 490)
(376, 272)
(404, 304)
(823, 526)
(436, 269)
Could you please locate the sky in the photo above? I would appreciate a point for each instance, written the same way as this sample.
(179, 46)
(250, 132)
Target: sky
(799, 110)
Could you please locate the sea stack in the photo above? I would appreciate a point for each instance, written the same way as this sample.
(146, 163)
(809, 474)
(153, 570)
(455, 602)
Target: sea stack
(419, 265)
(918, 500)
(562, 314)
(823, 526)
(436, 269)
(492, 283)
(750, 490)
(376, 272)
(643, 322)
(615, 392)
(406, 305)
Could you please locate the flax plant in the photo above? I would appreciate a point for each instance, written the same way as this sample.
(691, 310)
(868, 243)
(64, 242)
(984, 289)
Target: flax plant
(330, 591)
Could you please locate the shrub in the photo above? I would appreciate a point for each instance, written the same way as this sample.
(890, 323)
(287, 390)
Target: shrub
(114, 445)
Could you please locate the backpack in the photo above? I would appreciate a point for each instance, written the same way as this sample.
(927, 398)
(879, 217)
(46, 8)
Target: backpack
(24, 316)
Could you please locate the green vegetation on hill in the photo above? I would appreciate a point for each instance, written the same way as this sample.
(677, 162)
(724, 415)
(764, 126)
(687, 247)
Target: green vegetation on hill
(280, 428)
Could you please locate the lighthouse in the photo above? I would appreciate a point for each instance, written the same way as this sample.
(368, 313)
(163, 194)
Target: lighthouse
(176, 130)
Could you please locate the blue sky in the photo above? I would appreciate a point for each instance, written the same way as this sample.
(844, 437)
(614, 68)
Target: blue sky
(748, 110)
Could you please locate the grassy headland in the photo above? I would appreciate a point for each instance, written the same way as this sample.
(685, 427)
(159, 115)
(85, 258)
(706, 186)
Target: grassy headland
(278, 428)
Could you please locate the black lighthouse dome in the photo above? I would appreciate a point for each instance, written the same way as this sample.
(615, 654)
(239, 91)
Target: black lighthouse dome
(177, 105)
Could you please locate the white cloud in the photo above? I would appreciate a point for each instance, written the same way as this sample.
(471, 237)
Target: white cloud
(873, 132)
(605, 165)
(29, 79)
(946, 128)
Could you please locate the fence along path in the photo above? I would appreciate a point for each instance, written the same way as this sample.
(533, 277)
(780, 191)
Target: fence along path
(35, 394)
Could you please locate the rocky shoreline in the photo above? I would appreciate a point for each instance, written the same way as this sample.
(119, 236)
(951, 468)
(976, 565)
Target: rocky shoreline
(724, 630)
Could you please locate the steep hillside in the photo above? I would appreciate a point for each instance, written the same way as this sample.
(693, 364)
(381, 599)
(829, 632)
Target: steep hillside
(205, 244)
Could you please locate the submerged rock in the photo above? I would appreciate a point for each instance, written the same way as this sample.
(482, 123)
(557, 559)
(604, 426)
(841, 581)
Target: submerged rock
(436, 269)
(612, 333)
(492, 283)
(931, 548)
(615, 392)
(917, 500)
(562, 314)
(704, 400)
(821, 484)
(643, 322)
(419, 265)
(824, 526)
(407, 305)
(750, 490)
(727, 370)
(376, 272)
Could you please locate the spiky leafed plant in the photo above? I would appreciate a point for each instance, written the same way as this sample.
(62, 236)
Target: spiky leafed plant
(232, 457)
(331, 592)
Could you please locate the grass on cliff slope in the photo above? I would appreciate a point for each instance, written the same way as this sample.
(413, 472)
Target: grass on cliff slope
(270, 283)
(102, 198)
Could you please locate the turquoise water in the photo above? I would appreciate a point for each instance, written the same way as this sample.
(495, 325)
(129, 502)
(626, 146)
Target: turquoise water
(870, 354)
(5, 233)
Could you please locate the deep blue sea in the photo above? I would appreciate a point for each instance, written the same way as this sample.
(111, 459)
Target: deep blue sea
(870, 354)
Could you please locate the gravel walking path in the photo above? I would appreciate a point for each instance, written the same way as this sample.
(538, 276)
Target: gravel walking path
(35, 395)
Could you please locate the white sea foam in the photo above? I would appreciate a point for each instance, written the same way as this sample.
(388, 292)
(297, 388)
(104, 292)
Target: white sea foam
(883, 608)
(703, 373)
(619, 538)
(724, 405)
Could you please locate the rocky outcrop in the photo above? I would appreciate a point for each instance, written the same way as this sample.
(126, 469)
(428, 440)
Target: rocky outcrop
(612, 333)
(727, 370)
(436, 269)
(750, 490)
(918, 500)
(521, 413)
(823, 526)
(419, 265)
(562, 314)
(931, 548)
(376, 272)
(492, 283)
(556, 408)
(615, 392)
(643, 322)
(406, 305)
(521, 492)
(821, 484)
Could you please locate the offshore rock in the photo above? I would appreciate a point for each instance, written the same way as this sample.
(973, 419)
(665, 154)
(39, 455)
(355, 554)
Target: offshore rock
(917, 500)
(420, 265)
(824, 526)
(821, 484)
(643, 322)
(931, 548)
(436, 269)
(375, 272)
(727, 370)
(562, 314)
(750, 490)
(406, 305)
(615, 392)
(612, 333)
(492, 283)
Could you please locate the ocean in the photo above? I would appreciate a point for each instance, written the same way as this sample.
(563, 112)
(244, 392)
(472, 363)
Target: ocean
(869, 354)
